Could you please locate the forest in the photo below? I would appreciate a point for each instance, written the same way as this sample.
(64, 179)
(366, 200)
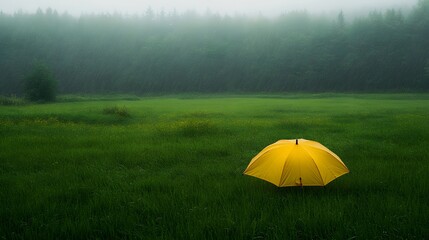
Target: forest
(169, 52)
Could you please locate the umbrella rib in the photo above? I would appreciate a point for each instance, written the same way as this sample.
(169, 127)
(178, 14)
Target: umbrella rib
(284, 166)
(320, 174)
(328, 168)
(259, 156)
(332, 153)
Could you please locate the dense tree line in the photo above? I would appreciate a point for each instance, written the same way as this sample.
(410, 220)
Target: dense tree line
(169, 52)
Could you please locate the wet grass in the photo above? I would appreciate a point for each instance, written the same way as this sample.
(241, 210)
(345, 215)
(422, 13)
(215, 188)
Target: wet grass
(174, 169)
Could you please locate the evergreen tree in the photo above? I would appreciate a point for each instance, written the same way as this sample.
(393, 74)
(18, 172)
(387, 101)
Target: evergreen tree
(427, 69)
(341, 20)
(40, 85)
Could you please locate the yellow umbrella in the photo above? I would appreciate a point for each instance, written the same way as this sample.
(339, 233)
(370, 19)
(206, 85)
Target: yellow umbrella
(296, 162)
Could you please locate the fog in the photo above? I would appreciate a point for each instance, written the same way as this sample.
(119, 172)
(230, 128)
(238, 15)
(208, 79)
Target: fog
(230, 7)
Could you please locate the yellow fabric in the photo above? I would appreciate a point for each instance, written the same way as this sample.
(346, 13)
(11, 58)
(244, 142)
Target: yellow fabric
(286, 163)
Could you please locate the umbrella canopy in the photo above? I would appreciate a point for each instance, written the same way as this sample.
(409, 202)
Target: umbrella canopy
(296, 162)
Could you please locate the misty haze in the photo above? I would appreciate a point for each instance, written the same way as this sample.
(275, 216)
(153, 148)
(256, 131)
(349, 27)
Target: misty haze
(186, 119)
(248, 7)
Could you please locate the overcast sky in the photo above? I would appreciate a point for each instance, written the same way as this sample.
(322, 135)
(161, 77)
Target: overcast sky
(249, 7)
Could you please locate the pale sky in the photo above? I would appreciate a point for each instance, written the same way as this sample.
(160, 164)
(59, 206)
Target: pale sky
(249, 7)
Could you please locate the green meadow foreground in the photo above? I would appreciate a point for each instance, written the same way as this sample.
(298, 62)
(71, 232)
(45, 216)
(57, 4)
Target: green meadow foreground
(172, 169)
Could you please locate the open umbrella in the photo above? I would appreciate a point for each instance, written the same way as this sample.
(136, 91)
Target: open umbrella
(296, 162)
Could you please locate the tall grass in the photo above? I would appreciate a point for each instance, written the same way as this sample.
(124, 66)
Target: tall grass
(117, 111)
(11, 101)
(174, 170)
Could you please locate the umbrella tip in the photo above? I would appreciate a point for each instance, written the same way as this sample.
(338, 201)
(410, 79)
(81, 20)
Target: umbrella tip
(296, 143)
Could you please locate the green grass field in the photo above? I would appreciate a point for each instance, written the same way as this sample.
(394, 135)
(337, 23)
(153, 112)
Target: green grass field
(172, 169)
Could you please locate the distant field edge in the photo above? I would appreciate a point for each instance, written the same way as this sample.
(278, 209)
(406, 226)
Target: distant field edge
(196, 95)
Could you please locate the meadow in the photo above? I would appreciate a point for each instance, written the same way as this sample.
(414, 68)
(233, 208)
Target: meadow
(171, 167)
